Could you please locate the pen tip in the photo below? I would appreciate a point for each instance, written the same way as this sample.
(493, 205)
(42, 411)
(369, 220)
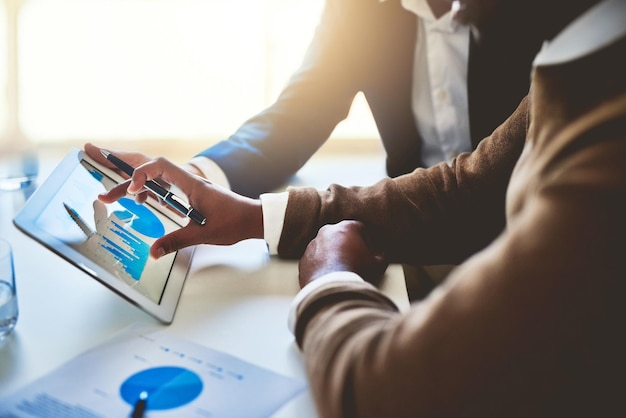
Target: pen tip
(143, 395)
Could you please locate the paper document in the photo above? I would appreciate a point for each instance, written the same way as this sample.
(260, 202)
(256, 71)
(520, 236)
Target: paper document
(180, 378)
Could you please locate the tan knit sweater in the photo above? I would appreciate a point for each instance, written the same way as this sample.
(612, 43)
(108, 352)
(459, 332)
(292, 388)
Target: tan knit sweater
(531, 323)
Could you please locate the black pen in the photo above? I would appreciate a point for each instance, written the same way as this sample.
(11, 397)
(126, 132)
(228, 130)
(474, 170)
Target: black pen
(140, 406)
(167, 196)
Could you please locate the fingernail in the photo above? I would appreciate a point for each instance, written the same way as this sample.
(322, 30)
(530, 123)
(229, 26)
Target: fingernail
(160, 252)
(131, 188)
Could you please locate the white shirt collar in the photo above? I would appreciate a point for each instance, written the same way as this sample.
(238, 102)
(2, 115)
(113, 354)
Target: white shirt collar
(423, 11)
(419, 7)
(594, 29)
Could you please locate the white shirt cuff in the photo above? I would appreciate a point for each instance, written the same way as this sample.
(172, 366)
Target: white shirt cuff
(210, 171)
(334, 277)
(274, 206)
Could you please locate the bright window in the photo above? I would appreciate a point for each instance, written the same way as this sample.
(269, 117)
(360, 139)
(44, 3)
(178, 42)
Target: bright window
(157, 69)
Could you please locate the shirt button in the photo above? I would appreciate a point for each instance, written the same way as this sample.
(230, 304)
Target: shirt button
(442, 95)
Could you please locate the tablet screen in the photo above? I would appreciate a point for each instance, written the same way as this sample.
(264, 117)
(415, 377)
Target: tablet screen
(116, 236)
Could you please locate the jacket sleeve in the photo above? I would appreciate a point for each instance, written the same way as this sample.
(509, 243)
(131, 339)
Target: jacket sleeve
(438, 215)
(270, 147)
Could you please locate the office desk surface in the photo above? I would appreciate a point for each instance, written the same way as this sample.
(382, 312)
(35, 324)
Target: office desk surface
(236, 300)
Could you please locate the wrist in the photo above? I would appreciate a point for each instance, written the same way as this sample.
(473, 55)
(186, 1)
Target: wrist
(253, 218)
(193, 169)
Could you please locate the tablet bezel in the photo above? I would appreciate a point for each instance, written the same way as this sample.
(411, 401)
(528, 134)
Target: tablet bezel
(26, 219)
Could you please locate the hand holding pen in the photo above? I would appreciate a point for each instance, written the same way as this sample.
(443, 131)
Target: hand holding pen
(230, 217)
(164, 194)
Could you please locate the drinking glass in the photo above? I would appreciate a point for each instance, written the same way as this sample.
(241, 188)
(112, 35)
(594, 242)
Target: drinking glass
(19, 165)
(8, 295)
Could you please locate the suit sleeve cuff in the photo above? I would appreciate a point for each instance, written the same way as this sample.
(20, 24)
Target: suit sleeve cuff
(210, 171)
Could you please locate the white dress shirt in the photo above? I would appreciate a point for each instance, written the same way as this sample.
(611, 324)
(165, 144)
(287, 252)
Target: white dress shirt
(440, 103)
(582, 37)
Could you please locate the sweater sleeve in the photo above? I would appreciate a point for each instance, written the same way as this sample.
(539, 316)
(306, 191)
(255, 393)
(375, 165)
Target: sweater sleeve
(431, 216)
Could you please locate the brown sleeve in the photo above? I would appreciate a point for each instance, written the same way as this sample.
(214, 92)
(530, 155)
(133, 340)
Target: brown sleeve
(424, 212)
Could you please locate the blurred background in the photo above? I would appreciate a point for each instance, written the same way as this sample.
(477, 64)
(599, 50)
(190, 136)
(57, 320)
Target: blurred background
(147, 72)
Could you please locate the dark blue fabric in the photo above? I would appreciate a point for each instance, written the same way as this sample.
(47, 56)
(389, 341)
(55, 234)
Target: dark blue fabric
(364, 46)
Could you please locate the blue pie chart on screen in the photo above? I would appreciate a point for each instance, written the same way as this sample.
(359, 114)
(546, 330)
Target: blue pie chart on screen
(140, 218)
(167, 387)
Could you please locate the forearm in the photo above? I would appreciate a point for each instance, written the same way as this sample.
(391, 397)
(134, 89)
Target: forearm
(419, 217)
(475, 347)
(346, 307)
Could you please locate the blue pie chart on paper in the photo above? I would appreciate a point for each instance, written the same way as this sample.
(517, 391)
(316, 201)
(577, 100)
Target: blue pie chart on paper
(167, 387)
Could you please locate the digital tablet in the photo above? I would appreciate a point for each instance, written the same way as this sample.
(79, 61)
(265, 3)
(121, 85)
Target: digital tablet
(109, 242)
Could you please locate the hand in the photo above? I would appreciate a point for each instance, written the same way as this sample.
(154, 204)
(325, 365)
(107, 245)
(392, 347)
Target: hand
(342, 247)
(135, 159)
(230, 217)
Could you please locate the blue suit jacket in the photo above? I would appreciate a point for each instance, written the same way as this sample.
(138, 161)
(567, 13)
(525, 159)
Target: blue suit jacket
(366, 46)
